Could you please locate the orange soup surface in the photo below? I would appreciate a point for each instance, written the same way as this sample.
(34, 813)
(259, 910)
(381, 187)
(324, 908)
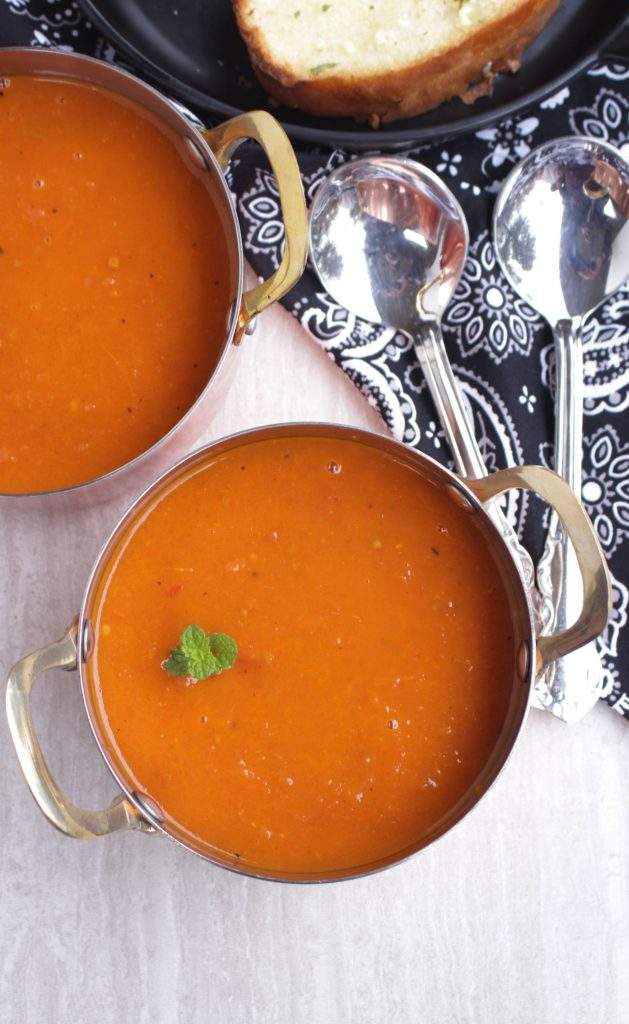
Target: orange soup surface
(375, 665)
(114, 283)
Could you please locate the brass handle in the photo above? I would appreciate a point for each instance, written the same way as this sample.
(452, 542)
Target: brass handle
(71, 820)
(597, 591)
(260, 126)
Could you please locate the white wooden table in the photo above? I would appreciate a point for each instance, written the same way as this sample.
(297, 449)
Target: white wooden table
(519, 916)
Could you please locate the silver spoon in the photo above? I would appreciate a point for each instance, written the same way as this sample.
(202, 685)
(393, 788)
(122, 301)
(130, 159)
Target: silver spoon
(388, 241)
(562, 239)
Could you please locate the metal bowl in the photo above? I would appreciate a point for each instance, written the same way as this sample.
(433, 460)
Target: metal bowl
(211, 150)
(133, 810)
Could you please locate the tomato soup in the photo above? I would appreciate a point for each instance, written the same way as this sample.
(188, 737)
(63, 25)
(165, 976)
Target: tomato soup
(114, 288)
(376, 654)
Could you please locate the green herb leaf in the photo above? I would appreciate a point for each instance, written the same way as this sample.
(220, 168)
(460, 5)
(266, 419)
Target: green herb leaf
(176, 663)
(224, 648)
(318, 69)
(200, 655)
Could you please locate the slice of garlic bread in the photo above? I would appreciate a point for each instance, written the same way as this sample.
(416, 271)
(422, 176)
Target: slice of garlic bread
(379, 60)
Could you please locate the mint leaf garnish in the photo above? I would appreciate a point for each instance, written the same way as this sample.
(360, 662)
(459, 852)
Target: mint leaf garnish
(224, 648)
(176, 663)
(200, 655)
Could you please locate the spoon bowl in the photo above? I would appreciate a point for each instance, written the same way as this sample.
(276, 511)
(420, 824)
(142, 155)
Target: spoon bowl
(388, 240)
(560, 227)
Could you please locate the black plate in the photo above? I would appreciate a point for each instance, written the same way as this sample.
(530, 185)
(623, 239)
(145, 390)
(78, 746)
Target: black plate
(193, 50)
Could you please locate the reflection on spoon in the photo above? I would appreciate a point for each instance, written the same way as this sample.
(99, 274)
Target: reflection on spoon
(561, 235)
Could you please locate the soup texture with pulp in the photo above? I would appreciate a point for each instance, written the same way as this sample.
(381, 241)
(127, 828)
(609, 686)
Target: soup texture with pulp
(113, 282)
(375, 666)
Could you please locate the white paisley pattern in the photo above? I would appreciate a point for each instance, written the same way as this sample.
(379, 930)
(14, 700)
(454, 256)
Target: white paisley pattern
(616, 72)
(53, 22)
(616, 309)
(449, 163)
(556, 100)
(260, 208)
(366, 352)
(485, 312)
(605, 487)
(609, 640)
(609, 649)
(497, 437)
(607, 118)
(604, 484)
(508, 143)
(312, 181)
(494, 428)
(605, 361)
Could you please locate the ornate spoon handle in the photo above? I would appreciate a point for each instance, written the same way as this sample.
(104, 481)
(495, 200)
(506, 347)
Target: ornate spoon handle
(574, 682)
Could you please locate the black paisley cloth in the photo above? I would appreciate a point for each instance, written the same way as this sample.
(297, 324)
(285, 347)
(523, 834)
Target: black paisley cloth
(501, 349)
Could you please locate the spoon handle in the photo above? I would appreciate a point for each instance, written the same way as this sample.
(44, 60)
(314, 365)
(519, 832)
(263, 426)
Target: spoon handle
(446, 395)
(569, 403)
(574, 683)
(459, 431)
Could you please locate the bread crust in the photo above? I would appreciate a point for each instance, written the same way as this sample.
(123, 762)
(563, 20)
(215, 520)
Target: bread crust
(466, 70)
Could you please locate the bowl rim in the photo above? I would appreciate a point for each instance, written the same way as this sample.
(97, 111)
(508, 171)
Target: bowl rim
(511, 729)
(42, 56)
